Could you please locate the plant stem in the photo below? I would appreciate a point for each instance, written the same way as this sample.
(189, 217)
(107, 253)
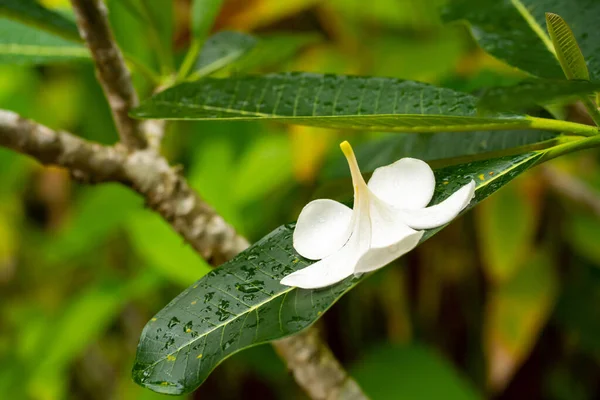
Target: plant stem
(592, 109)
(568, 128)
(570, 147)
(190, 59)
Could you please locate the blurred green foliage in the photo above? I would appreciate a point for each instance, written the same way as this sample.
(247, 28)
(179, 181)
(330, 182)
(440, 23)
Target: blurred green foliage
(503, 303)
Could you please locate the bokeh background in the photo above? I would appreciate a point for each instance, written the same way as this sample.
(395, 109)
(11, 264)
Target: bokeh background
(504, 303)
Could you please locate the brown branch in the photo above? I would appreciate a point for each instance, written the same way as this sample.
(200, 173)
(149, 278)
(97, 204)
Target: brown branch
(111, 70)
(313, 365)
(163, 187)
(316, 369)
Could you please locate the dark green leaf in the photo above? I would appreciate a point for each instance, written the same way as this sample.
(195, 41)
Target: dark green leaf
(534, 92)
(32, 13)
(333, 101)
(22, 44)
(222, 49)
(204, 13)
(514, 31)
(568, 52)
(242, 304)
(441, 149)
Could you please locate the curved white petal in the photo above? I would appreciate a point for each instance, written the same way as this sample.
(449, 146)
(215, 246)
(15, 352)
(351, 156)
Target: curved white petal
(340, 264)
(379, 257)
(387, 224)
(408, 183)
(442, 213)
(323, 227)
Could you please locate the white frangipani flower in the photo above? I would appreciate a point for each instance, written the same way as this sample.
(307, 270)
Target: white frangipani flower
(387, 221)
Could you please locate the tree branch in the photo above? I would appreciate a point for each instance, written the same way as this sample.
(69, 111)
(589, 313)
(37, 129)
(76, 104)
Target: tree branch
(111, 70)
(313, 365)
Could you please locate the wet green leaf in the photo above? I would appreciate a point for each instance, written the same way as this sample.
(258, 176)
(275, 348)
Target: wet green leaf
(514, 31)
(566, 47)
(534, 92)
(242, 304)
(333, 101)
(32, 13)
(22, 44)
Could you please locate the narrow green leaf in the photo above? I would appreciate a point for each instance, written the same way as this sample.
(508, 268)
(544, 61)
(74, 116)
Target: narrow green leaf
(242, 304)
(566, 47)
(32, 13)
(441, 149)
(22, 44)
(513, 31)
(239, 52)
(220, 50)
(333, 101)
(204, 13)
(534, 92)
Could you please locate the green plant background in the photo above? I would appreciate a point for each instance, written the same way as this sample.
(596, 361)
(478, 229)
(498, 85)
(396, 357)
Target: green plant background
(502, 303)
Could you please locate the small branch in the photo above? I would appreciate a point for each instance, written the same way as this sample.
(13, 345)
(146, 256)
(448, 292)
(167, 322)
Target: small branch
(163, 187)
(572, 188)
(111, 70)
(166, 191)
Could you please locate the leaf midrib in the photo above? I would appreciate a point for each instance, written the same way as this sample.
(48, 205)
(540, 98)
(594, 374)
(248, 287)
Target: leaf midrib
(537, 28)
(37, 50)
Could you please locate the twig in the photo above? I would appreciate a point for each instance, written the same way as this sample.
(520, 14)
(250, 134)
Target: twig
(314, 367)
(163, 187)
(111, 70)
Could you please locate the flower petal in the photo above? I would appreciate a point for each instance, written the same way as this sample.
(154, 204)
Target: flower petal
(323, 227)
(340, 264)
(390, 236)
(442, 213)
(376, 258)
(408, 183)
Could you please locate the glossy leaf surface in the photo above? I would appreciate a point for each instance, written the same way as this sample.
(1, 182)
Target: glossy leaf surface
(515, 31)
(333, 101)
(241, 303)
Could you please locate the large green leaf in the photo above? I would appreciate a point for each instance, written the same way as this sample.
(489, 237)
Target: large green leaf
(32, 13)
(334, 101)
(514, 31)
(22, 44)
(242, 304)
(532, 92)
(443, 149)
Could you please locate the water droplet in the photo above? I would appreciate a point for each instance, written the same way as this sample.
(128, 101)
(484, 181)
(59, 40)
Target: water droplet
(208, 297)
(169, 343)
(174, 321)
(250, 287)
(188, 327)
